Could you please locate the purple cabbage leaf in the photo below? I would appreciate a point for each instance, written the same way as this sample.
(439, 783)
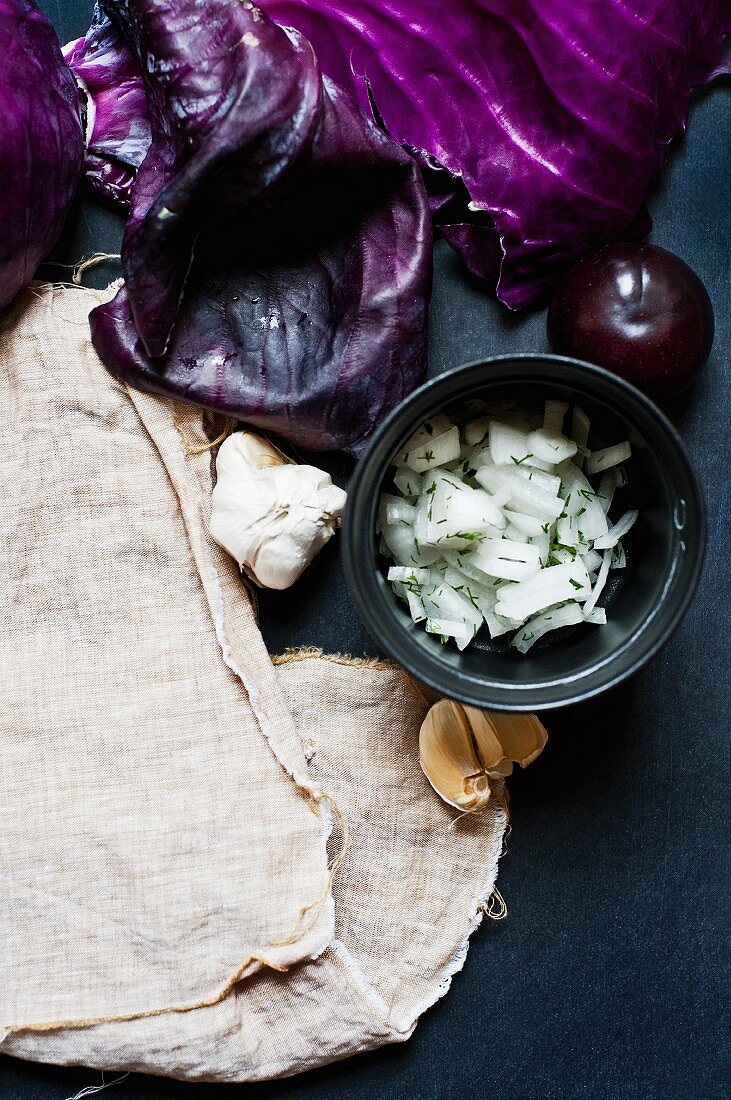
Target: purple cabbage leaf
(277, 254)
(551, 116)
(41, 143)
(113, 91)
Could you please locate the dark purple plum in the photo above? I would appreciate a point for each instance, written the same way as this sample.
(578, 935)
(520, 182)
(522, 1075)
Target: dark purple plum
(637, 310)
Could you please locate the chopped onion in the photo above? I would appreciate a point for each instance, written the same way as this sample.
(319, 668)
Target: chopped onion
(529, 525)
(526, 495)
(609, 456)
(509, 444)
(476, 430)
(619, 558)
(405, 575)
(496, 524)
(400, 511)
(620, 529)
(592, 561)
(567, 615)
(510, 560)
(554, 415)
(552, 447)
(549, 586)
(408, 483)
(600, 583)
(580, 424)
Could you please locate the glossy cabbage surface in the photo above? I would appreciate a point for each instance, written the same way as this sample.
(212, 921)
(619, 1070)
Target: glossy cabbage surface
(117, 126)
(41, 143)
(553, 114)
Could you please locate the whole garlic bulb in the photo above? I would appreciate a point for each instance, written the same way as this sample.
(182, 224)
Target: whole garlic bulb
(271, 514)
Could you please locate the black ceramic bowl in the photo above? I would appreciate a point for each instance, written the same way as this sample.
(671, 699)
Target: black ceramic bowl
(644, 602)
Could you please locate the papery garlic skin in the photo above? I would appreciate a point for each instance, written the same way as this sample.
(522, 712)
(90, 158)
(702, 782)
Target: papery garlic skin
(462, 749)
(270, 514)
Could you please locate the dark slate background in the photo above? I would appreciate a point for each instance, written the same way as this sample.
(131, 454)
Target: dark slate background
(610, 979)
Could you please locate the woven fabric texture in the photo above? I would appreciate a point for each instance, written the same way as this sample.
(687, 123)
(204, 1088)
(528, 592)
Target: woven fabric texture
(167, 794)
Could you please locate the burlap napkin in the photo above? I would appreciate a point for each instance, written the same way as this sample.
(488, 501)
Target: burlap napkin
(169, 898)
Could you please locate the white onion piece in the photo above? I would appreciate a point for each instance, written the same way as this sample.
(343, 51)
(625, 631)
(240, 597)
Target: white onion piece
(598, 461)
(508, 560)
(552, 447)
(597, 616)
(416, 606)
(580, 425)
(552, 619)
(501, 496)
(549, 586)
(514, 534)
(554, 414)
(436, 426)
(464, 561)
(404, 549)
(620, 529)
(592, 561)
(400, 511)
(437, 451)
(619, 558)
(498, 625)
(600, 583)
(507, 444)
(609, 483)
(526, 495)
(542, 543)
(408, 482)
(550, 482)
(529, 525)
(476, 430)
(405, 575)
(449, 628)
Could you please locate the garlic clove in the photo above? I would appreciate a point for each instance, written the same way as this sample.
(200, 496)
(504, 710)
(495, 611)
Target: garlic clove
(522, 736)
(496, 762)
(463, 748)
(448, 758)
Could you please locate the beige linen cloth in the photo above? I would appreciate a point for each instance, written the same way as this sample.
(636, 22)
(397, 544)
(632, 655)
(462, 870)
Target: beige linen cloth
(174, 894)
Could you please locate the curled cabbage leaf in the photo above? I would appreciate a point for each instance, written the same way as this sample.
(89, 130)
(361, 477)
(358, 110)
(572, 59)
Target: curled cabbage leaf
(117, 127)
(551, 116)
(277, 255)
(41, 143)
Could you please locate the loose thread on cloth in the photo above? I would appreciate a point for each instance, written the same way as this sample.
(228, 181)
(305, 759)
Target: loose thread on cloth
(92, 261)
(200, 449)
(312, 653)
(91, 1090)
(495, 907)
(314, 906)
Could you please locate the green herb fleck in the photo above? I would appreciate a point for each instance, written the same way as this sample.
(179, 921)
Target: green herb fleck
(576, 584)
(518, 461)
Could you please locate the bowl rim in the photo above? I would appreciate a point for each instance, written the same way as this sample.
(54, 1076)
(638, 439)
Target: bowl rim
(526, 697)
